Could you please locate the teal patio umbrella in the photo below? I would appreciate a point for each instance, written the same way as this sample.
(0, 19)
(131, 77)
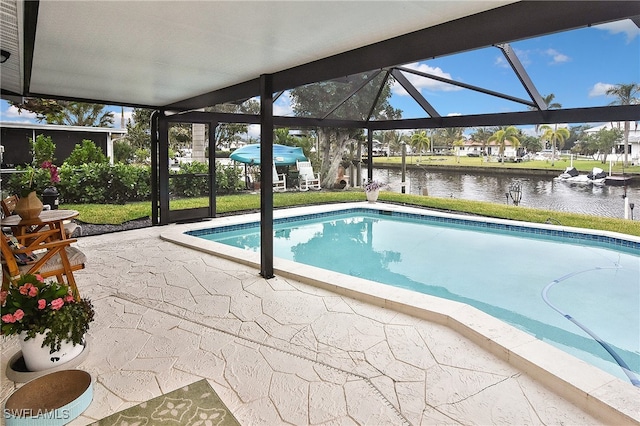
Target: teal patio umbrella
(282, 155)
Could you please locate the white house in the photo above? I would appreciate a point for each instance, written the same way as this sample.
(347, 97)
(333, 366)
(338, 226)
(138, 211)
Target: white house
(618, 149)
(472, 148)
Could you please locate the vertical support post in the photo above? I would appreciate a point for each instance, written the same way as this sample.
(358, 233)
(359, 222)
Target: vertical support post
(359, 165)
(213, 184)
(404, 166)
(155, 201)
(370, 157)
(163, 167)
(266, 175)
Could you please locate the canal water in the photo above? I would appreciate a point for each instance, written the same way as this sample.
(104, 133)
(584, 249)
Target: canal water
(537, 191)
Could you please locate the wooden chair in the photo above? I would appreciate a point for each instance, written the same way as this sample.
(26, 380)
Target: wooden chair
(9, 205)
(50, 256)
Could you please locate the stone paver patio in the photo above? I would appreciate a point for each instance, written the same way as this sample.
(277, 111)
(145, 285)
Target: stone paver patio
(280, 351)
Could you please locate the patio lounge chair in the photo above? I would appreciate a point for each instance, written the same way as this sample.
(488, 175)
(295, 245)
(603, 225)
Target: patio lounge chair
(307, 179)
(42, 252)
(279, 180)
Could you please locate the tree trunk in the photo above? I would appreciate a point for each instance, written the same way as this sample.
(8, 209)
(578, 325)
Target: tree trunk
(333, 144)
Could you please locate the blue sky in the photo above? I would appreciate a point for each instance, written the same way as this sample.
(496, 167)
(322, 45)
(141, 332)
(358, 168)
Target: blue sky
(576, 66)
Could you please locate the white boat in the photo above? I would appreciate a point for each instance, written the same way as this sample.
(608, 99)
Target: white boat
(572, 175)
(597, 176)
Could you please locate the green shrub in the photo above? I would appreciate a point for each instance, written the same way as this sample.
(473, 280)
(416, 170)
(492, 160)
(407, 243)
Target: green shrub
(123, 152)
(43, 149)
(228, 179)
(104, 183)
(86, 153)
(35, 178)
(190, 181)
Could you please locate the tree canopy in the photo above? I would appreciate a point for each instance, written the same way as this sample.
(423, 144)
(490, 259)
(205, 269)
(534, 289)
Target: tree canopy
(67, 113)
(362, 96)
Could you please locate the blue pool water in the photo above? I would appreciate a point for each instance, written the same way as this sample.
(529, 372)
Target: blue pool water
(500, 269)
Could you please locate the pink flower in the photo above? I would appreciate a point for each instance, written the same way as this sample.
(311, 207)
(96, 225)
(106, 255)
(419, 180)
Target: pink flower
(57, 304)
(19, 314)
(33, 291)
(39, 278)
(24, 289)
(3, 296)
(42, 304)
(8, 318)
(69, 298)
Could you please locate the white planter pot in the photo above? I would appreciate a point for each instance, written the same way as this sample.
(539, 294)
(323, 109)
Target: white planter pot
(38, 358)
(372, 196)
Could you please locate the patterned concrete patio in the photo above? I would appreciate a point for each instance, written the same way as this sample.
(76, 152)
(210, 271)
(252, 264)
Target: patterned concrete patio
(279, 351)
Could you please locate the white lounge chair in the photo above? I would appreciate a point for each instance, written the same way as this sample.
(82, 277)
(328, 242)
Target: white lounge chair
(307, 179)
(279, 180)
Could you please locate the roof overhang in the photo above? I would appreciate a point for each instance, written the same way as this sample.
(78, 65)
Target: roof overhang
(186, 55)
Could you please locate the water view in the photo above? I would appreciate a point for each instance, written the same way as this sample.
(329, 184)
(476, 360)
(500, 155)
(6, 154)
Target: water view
(537, 192)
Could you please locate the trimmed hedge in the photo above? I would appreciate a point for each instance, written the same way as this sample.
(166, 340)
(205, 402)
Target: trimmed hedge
(102, 183)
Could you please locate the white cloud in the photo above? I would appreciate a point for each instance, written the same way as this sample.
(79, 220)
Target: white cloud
(501, 62)
(13, 114)
(557, 56)
(282, 107)
(625, 26)
(425, 83)
(253, 130)
(599, 89)
(454, 114)
(117, 117)
(523, 57)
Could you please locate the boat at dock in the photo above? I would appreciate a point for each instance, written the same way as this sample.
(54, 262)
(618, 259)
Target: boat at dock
(597, 176)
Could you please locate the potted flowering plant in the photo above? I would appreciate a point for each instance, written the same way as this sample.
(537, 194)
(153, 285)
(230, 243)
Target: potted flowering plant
(46, 315)
(372, 190)
(29, 205)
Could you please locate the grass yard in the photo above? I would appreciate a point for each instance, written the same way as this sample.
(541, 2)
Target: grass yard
(117, 214)
(583, 165)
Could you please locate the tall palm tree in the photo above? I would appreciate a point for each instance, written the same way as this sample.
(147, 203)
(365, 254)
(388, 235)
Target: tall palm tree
(456, 146)
(450, 135)
(420, 141)
(394, 140)
(627, 94)
(482, 135)
(555, 135)
(501, 136)
(548, 100)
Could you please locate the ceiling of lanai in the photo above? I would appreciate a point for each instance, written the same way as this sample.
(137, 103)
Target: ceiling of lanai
(183, 55)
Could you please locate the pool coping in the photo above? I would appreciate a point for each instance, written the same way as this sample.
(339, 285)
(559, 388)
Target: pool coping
(593, 390)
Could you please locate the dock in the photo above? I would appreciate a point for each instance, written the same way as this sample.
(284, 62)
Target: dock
(618, 180)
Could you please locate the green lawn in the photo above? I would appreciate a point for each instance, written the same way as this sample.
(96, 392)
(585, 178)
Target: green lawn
(116, 214)
(464, 161)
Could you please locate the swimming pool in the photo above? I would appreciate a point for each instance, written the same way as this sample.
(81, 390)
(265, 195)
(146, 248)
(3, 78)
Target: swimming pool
(500, 268)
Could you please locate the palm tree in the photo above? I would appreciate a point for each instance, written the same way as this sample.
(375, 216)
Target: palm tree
(482, 135)
(548, 100)
(555, 135)
(627, 94)
(501, 136)
(420, 141)
(394, 140)
(456, 146)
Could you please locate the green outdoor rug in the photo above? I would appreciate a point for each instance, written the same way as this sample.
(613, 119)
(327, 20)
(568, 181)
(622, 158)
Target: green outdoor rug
(192, 405)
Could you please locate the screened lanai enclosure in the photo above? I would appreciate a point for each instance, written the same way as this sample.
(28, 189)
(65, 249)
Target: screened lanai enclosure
(361, 65)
